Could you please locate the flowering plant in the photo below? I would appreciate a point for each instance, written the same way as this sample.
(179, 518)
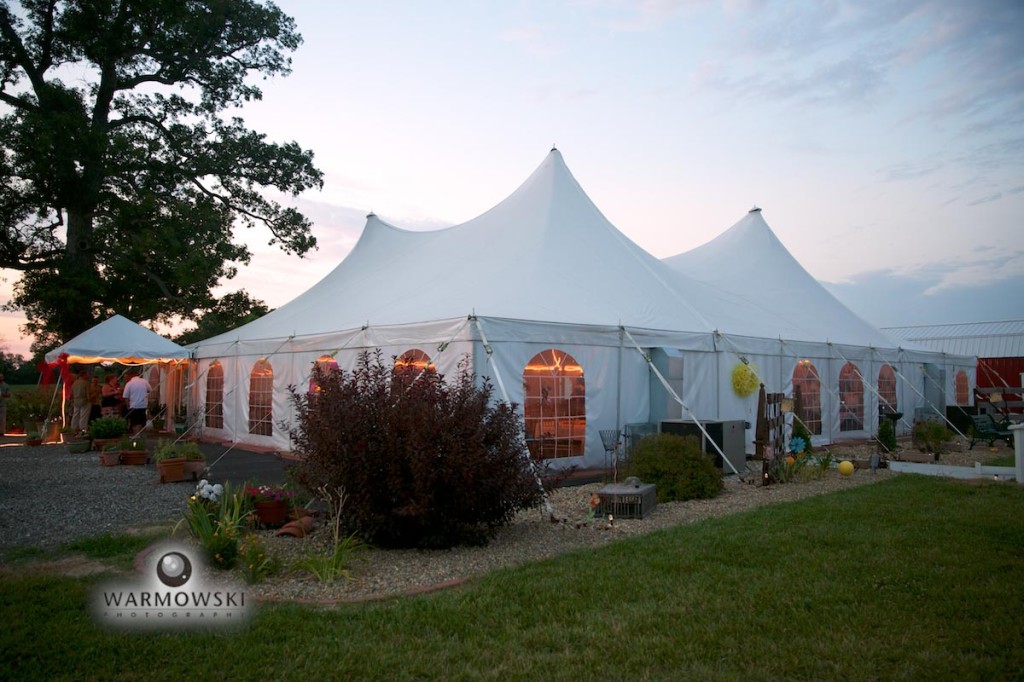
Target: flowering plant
(208, 492)
(268, 493)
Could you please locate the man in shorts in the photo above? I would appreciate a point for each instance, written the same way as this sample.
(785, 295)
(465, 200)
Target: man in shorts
(136, 396)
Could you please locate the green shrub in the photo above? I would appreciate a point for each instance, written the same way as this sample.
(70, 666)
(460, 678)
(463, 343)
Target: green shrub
(887, 435)
(424, 463)
(929, 435)
(108, 427)
(167, 449)
(29, 406)
(676, 466)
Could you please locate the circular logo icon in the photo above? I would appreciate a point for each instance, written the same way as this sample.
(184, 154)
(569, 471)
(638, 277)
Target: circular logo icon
(174, 569)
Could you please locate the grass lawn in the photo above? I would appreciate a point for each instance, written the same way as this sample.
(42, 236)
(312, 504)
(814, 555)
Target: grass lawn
(916, 578)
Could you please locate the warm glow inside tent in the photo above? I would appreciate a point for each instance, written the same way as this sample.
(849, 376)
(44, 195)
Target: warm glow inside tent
(118, 339)
(576, 324)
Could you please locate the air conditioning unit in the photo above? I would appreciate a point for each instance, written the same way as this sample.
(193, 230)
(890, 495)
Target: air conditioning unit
(730, 436)
(624, 501)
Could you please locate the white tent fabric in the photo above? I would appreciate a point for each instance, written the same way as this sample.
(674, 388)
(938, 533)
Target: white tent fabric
(749, 260)
(543, 269)
(118, 339)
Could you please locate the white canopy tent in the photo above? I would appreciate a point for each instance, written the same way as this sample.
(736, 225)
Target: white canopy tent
(119, 340)
(542, 272)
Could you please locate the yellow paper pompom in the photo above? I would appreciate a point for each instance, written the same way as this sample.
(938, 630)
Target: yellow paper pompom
(744, 379)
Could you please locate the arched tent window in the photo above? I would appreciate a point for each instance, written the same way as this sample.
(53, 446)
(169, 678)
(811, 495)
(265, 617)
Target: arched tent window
(962, 387)
(851, 398)
(807, 391)
(325, 363)
(410, 365)
(554, 405)
(261, 399)
(887, 400)
(215, 396)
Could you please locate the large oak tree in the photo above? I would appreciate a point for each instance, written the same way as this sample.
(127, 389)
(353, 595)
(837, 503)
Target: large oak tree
(122, 172)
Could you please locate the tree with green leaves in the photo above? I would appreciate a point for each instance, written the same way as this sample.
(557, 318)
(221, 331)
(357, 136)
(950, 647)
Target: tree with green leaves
(122, 171)
(230, 311)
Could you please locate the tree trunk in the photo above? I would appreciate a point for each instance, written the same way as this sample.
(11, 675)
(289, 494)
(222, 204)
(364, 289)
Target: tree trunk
(79, 272)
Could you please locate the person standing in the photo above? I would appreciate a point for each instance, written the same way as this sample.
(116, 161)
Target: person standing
(95, 394)
(5, 393)
(110, 396)
(80, 403)
(136, 395)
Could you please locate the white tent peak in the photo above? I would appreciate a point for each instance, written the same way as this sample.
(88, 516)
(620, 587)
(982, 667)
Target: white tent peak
(545, 253)
(118, 339)
(749, 260)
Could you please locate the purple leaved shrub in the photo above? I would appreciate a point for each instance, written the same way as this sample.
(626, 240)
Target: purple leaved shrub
(423, 462)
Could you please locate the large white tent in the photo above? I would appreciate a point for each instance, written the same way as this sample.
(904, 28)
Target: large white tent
(542, 272)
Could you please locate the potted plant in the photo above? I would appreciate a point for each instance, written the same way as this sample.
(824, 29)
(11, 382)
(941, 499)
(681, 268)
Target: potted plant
(195, 462)
(110, 455)
(158, 424)
(33, 439)
(170, 462)
(107, 430)
(271, 503)
(133, 451)
(77, 447)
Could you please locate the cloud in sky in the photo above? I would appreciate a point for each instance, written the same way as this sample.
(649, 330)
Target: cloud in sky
(881, 137)
(889, 299)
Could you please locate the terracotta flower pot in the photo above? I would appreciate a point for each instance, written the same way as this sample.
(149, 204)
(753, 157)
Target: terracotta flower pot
(109, 458)
(272, 513)
(171, 470)
(100, 443)
(299, 529)
(33, 442)
(134, 457)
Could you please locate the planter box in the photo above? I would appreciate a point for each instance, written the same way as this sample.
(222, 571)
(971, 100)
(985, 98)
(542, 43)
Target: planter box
(110, 458)
(194, 469)
(134, 457)
(171, 470)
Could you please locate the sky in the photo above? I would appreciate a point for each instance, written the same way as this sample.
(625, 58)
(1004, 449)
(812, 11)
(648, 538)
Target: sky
(883, 141)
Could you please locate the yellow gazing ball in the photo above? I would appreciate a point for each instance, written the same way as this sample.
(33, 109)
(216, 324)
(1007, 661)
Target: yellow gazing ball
(846, 468)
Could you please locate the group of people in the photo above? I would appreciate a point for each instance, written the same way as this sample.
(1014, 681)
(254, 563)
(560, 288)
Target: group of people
(91, 400)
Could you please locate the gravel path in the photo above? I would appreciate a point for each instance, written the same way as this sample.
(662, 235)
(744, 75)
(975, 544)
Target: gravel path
(49, 497)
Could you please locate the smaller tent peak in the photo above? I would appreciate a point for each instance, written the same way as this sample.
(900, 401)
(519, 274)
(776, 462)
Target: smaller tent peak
(554, 147)
(756, 209)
